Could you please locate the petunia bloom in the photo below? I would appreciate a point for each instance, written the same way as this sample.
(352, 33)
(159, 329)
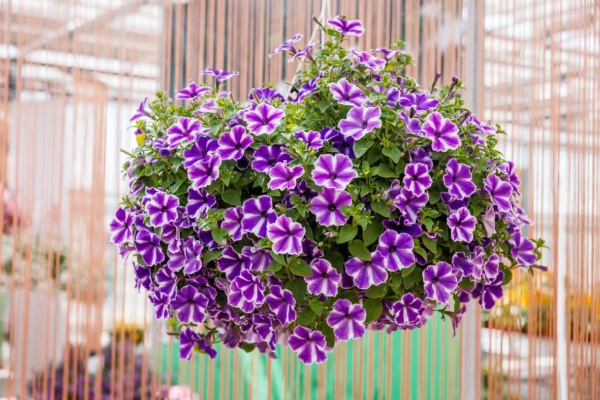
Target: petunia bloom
(193, 256)
(147, 244)
(442, 132)
(288, 45)
(360, 121)
(161, 302)
(305, 52)
(162, 208)
(188, 340)
(266, 157)
(418, 101)
(439, 282)
(407, 310)
(311, 138)
(268, 94)
(522, 249)
(366, 60)
(387, 53)
(264, 119)
(190, 305)
(199, 202)
(491, 292)
(417, 178)
(141, 111)
(281, 302)
(347, 320)
(232, 221)
(344, 144)
(202, 148)
(120, 227)
(410, 205)
(333, 171)
(232, 144)
(499, 191)
(286, 235)
(346, 27)
(192, 91)
(326, 207)
(325, 278)
(508, 170)
(259, 258)
(284, 177)
(458, 179)
(247, 292)
(367, 273)
(347, 94)
(396, 250)
(309, 345)
(219, 74)
(257, 214)
(461, 224)
(184, 130)
(203, 173)
(232, 263)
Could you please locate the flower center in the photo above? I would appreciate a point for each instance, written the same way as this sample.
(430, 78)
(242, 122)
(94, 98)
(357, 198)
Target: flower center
(392, 249)
(271, 161)
(415, 177)
(238, 146)
(325, 275)
(332, 175)
(437, 134)
(435, 280)
(332, 207)
(263, 214)
(345, 145)
(365, 124)
(164, 209)
(209, 171)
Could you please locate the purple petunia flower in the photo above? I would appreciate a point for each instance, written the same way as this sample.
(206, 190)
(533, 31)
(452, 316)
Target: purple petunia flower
(461, 224)
(232, 263)
(305, 52)
(465, 264)
(491, 268)
(491, 292)
(263, 119)
(184, 130)
(417, 178)
(202, 285)
(219, 74)
(326, 207)
(308, 88)
(193, 256)
(488, 219)
(258, 213)
(325, 278)
(410, 204)
(360, 121)
(143, 276)
(266, 157)
(281, 302)
(499, 191)
(508, 170)
(387, 53)
(333, 171)
(418, 101)
(442, 132)
(203, 147)
(232, 221)
(141, 111)
(199, 202)
(202, 173)
(120, 227)
(286, 235)
(396, 250)
(439, 282)
(176, 254)
(458, 179)
(305, 193)
(188, 340)
(309, 345)
(161, 302)
(288, 45)
(522, 249)
(346, 27)
(392, 93)
(311, 138)
(366, 60)
(400, 225)
(192, 92)
(190, 305)
(264, 94)
(347, 94)
(367, 273)
(208, 107)
(162, 208)
(407, 310)
(232, 144)
(347, 320)
(147, 244)
(411, 125)
(284, 177)
(259, 258)
(166, 281)
(246, 288)
(263, 326)
(344, 144)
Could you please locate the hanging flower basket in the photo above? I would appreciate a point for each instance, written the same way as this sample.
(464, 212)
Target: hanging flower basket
(358, 201)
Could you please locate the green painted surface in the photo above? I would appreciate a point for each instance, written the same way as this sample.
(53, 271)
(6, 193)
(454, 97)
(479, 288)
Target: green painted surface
(433, 369)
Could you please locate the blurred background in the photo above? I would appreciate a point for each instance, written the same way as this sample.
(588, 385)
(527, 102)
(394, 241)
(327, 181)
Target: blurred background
(73, 71)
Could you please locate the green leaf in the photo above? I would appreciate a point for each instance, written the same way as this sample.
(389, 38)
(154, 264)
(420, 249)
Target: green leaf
(219, 234)
(348, 295)
(377, 292)
(140, 139)
(467, 284)
(336, 259)
(429, 243)
(434, 197)
(407, 271)
(274, 266)
(361, 147)
(328, 333)
(298, 289)
(323, 106)
(317, 307)
(248, 347)
(415, 276)
(306, 317)
(211, 255)
(508, 275)
(372, 233)
(428, 223)
(374, 308)
(347, 233)
(232, 197)
(358, 249)
(385, 171)
(392, 152)
(381, 208)
(280, 258)
(299, 267)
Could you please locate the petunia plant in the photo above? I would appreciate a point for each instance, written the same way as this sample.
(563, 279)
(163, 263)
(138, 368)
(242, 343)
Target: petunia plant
(359, 200)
